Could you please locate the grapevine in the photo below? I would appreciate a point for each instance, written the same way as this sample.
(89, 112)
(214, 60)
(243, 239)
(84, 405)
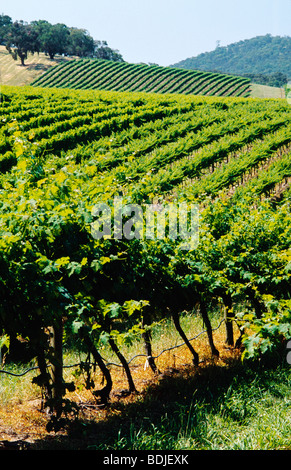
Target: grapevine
(227, 155)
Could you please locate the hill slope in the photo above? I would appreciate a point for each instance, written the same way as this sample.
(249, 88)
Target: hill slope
(65, 157)
(12, 73)
(115, 76)
(264, 91)
(262, 54)
(163, 133)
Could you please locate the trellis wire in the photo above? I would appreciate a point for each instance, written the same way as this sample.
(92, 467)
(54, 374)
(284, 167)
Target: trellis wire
(113, 363)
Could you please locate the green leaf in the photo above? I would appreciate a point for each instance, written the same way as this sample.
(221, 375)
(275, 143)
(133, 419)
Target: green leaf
(104, 338)
(77, 325)
(113, 310)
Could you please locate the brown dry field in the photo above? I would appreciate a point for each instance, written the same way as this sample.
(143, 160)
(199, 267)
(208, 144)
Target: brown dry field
(266, 92)
(14, 74)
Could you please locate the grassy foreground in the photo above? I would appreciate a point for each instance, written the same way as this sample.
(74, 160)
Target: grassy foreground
(223, 405)
(217, 411)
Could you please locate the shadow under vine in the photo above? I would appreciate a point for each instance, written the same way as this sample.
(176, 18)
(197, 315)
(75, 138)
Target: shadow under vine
(177, 400)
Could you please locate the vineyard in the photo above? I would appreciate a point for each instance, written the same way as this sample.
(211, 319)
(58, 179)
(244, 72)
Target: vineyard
(64, 152)
(115, 76)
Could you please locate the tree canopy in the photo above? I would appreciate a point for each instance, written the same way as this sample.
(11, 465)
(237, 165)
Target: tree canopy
(21, 37)
(5, 23)
(53, 39)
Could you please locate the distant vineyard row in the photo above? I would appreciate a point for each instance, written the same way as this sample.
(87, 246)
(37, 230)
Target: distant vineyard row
(114, 76)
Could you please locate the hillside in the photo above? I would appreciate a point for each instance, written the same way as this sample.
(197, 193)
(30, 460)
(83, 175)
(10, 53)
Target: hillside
(265, 92)
(262, 54)
(115, 76)
(66, 157)
(12, 73)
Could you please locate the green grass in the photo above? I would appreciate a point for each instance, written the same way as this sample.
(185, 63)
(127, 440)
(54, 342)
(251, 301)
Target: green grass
(17, 389)
(221, 411)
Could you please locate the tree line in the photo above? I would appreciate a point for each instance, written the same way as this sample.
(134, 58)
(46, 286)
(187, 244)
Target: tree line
(21, 38)
(276, 79)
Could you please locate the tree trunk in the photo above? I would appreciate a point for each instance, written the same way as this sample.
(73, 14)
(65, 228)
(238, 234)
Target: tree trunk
(147, 345)
(176, 320)
(148, 350)
(228, 316)
(207, 323)
(123, 361)
(104, 393)
(56, 343)
(22, 57)
(44, 380)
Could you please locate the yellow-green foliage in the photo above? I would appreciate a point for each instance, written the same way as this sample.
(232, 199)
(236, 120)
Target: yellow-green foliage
(62, 151)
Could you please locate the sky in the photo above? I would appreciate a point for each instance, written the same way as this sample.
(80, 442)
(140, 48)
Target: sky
(161, 31)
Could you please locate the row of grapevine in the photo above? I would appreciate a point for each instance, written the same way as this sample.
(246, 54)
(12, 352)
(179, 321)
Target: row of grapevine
(276, 172)
(142, 147)
(209, 156)
(107, 75)
(170, 164)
